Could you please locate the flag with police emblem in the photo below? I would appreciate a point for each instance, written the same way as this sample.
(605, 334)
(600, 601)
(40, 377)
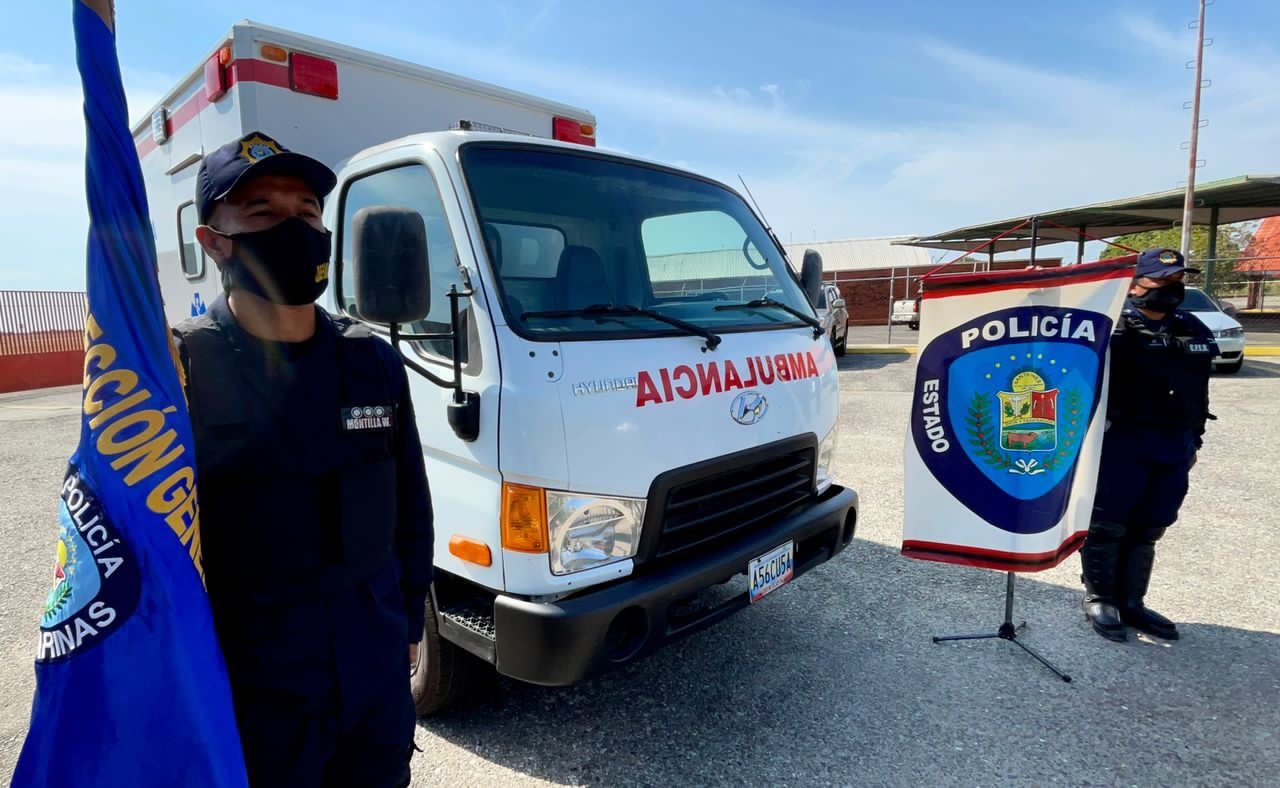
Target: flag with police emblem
(130, 685)
(1008, 412)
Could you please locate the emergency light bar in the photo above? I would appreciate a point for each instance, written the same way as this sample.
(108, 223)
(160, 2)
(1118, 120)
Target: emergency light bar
(217, 77)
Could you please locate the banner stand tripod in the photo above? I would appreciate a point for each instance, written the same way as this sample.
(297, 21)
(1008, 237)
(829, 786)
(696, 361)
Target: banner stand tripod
(1009, 632)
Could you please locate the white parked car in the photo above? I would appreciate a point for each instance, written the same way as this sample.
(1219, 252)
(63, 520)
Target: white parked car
(906, 312)
(1227, 331)
(834, 317)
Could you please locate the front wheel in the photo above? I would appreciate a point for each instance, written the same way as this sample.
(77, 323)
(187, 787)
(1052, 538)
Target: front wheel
(1232, 369)
(443, 672)
(841, 346)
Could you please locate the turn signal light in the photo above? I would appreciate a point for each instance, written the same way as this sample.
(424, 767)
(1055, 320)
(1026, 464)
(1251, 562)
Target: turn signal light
(470, 550)
(524, 518)
(274, 53)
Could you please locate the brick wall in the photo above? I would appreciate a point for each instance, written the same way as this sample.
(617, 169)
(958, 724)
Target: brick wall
(866, 292)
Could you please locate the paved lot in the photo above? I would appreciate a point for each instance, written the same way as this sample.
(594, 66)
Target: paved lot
(834, 680)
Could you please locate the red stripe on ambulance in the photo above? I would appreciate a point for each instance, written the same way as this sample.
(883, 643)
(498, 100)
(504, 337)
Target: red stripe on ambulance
(243, 70)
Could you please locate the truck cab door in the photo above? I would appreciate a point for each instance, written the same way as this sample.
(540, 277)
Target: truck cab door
(463, 476)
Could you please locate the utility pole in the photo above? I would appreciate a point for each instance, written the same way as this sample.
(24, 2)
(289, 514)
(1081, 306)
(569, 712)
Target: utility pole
(1189, 204)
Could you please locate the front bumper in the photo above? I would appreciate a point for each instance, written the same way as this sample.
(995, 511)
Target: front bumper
(1229, 350)
(557, 643)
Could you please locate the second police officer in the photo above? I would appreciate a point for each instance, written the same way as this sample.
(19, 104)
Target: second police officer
(1158, 403)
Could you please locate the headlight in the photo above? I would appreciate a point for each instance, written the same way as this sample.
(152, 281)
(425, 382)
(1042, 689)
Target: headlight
(1229, 332)
(826, 458)
(588, 531)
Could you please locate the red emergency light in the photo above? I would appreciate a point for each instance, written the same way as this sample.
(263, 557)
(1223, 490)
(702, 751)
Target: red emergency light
(217, 77)
(570, 130)
(313, 75)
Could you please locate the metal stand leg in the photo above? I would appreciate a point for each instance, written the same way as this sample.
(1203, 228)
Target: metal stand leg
(1008, 632)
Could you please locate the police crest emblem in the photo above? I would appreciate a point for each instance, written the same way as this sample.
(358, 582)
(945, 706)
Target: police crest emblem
(257, 148)
(1002, 407)
(96, 583)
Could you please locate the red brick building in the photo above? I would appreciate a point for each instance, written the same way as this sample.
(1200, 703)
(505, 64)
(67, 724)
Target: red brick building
(1261, 260)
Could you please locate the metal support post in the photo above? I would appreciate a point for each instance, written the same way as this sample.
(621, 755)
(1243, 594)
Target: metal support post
(1211, 261)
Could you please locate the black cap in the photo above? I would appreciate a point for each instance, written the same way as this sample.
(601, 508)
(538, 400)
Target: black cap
(1161, 263)
(252, 155)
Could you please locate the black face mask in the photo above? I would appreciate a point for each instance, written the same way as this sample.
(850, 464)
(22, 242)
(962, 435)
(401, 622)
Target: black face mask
(285, 264)
(1161, 299)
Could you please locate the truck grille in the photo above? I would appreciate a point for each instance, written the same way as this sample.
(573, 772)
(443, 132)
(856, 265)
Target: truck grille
(728, 496)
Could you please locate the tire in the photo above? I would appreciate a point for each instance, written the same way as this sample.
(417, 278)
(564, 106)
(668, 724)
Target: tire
(842, 346)
(915, 326)
(444, 673)
(1231, 369)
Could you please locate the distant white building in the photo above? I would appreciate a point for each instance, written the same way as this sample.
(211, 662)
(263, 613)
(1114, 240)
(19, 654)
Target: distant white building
(861, 254)
(727, 266)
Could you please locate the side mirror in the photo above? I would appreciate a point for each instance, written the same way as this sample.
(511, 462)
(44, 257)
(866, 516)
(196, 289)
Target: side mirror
(393, 280)
(838, 303)
(811, 275)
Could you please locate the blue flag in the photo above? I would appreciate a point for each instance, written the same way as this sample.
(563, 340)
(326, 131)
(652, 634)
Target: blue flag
(130, 685)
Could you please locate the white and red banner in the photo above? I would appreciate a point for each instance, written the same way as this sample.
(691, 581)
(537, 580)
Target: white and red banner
(1008, 412)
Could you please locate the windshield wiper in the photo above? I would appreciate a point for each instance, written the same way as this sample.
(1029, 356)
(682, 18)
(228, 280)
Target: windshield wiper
(609, 310)
(760, 303)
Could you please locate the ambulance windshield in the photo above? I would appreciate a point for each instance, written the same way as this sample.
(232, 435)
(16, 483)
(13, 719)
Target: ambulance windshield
(568, 231)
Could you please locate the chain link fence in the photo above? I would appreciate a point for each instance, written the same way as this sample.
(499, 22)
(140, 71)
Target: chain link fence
(1247, 288)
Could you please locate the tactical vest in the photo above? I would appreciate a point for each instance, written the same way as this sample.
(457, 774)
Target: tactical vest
(1160, 378)
(291, 511)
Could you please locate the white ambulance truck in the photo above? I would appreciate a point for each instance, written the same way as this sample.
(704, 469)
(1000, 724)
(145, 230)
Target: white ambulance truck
(627, 406)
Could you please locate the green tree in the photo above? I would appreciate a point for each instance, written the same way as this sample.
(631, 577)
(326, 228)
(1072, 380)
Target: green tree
(1232, 240)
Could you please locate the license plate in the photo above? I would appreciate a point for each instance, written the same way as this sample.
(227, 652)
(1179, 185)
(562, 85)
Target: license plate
(771, 571)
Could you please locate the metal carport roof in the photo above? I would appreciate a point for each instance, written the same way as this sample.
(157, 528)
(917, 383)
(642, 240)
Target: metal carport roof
(1226, 201)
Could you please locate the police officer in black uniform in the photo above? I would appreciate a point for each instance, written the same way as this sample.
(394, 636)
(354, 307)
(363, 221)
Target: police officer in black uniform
(1157, 405)
(317, 530)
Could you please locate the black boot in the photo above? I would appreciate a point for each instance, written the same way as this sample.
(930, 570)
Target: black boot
(1100, 560)
(1139, 558)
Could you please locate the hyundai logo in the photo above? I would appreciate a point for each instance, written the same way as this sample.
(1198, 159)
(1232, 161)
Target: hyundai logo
(748, 407)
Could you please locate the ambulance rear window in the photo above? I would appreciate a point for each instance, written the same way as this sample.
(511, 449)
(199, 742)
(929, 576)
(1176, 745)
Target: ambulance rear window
(191, 256)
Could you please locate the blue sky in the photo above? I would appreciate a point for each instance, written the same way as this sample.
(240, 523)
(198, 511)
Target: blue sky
(847, 119)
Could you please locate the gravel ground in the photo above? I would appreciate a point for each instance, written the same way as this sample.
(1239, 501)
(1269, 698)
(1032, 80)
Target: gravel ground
(834, 680)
